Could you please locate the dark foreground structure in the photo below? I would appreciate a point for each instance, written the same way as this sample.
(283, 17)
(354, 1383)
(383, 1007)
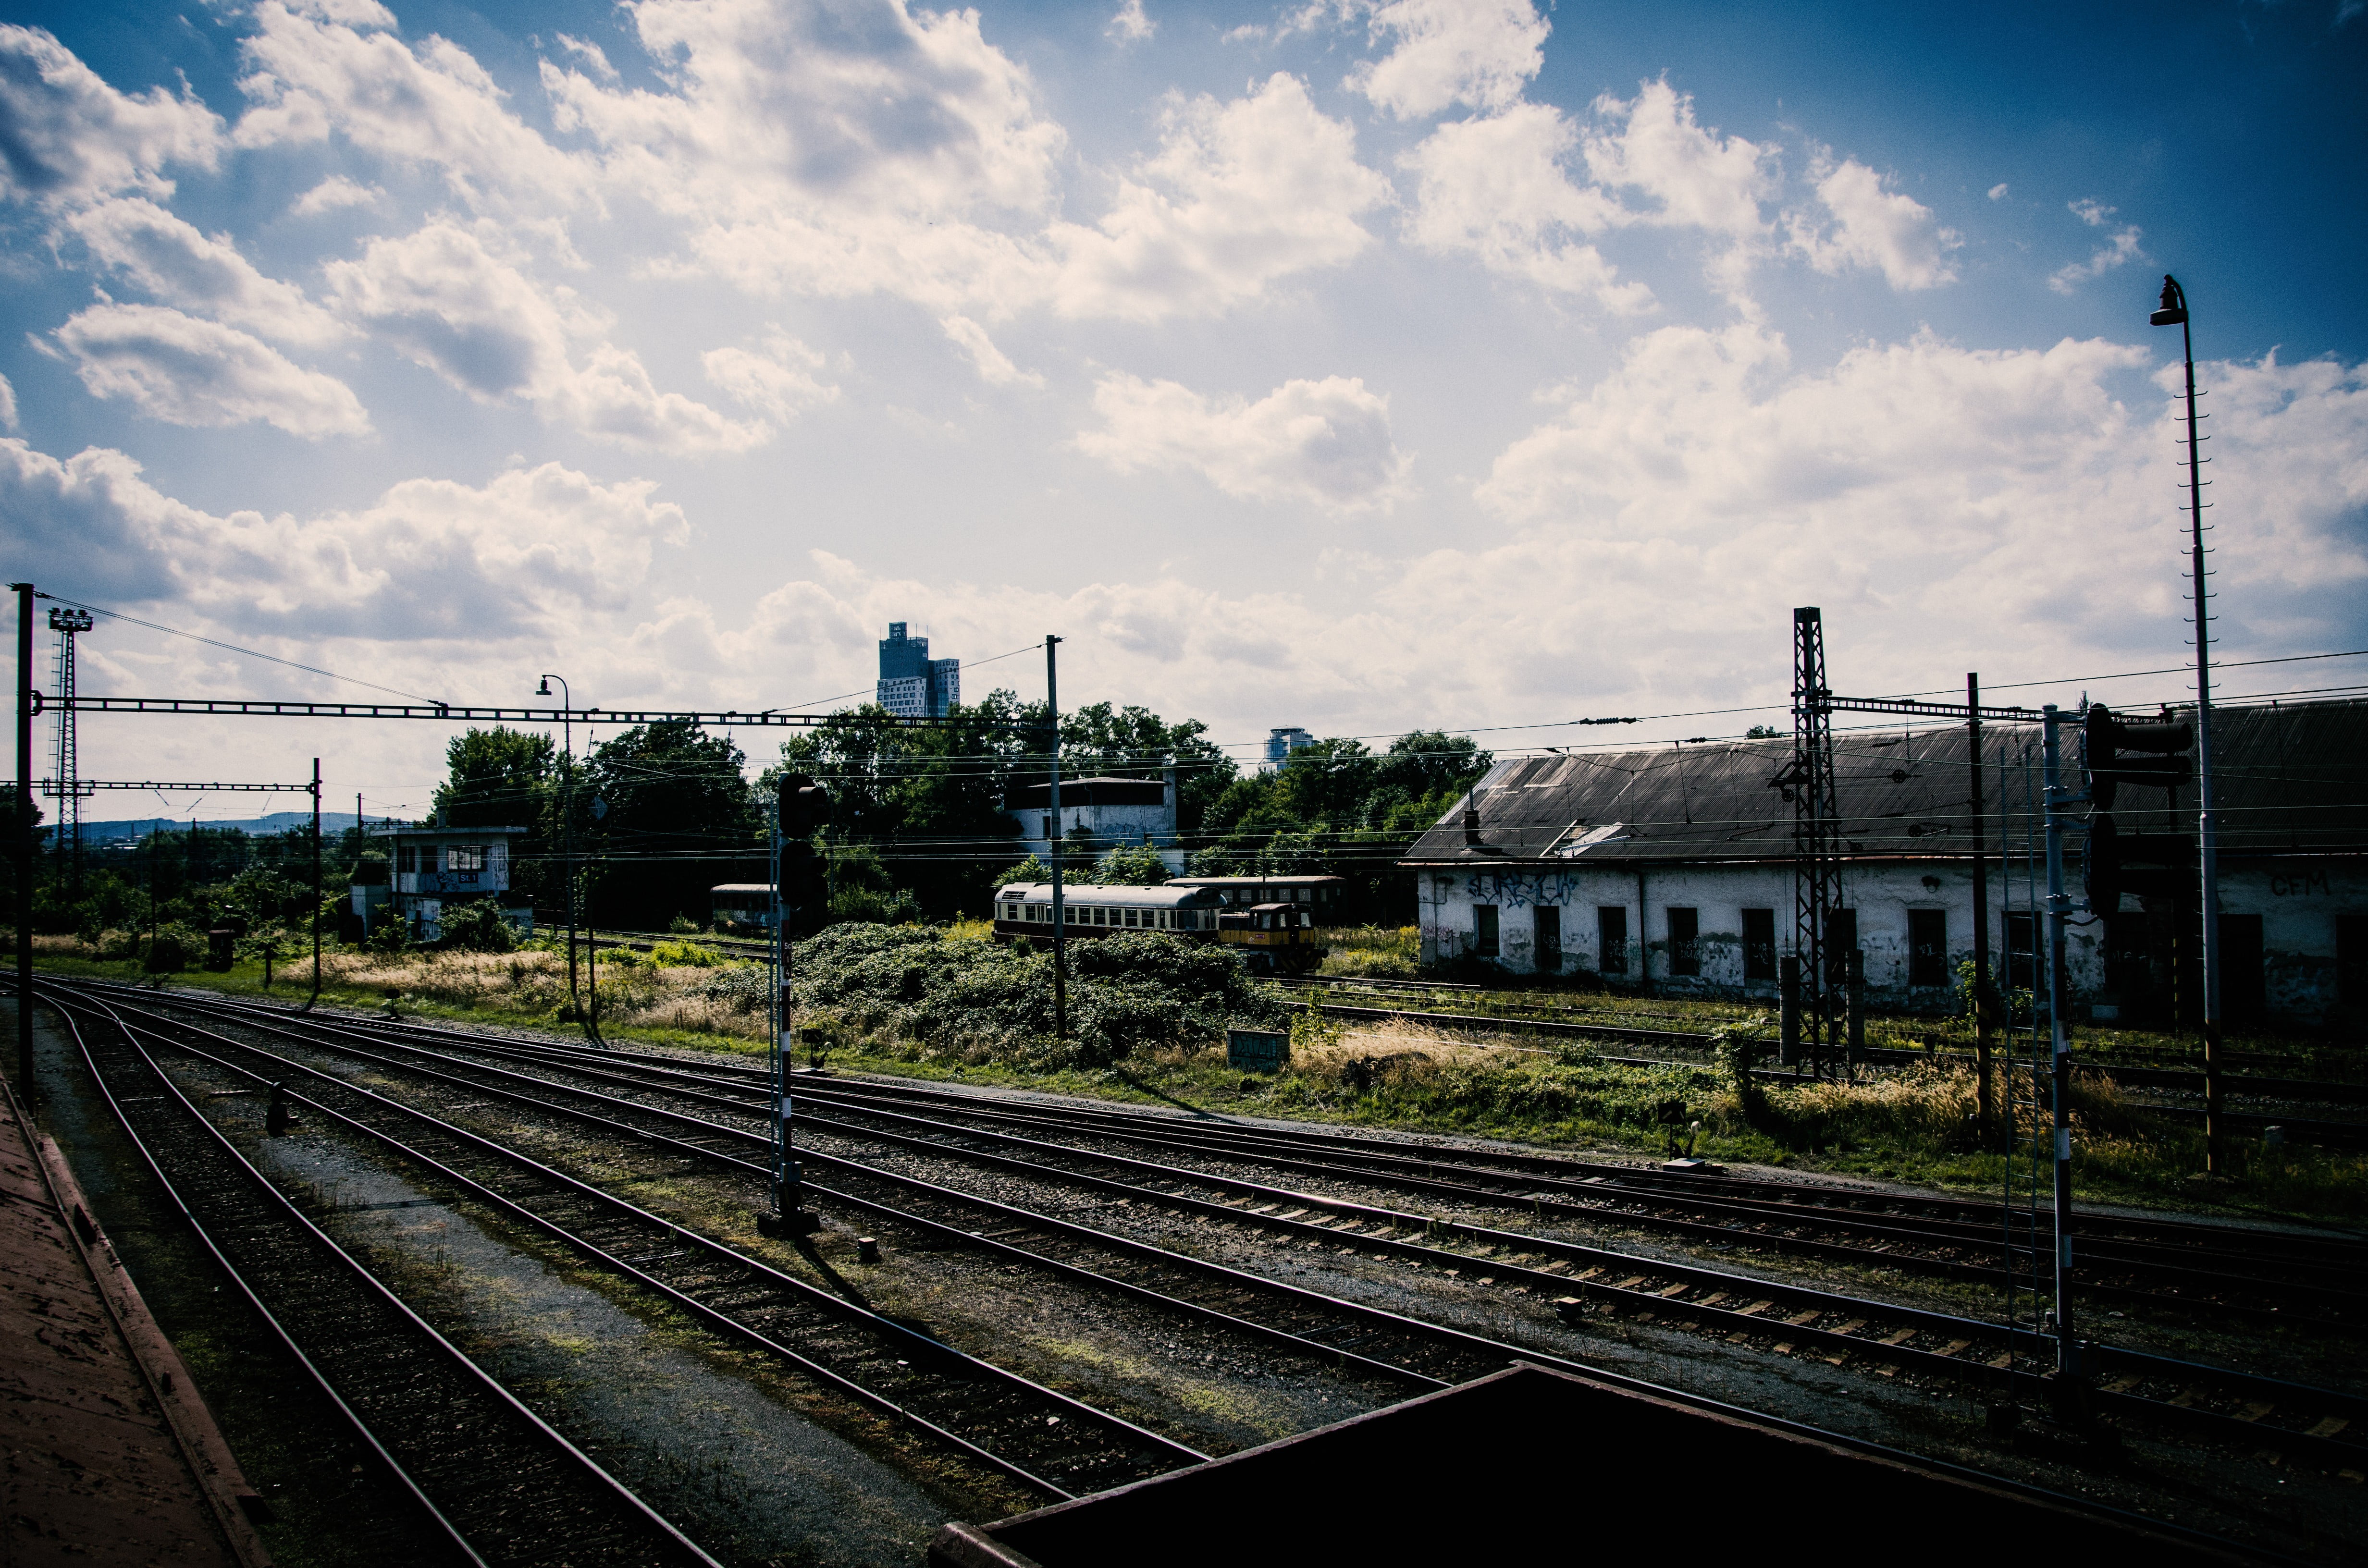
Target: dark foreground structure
(1533, 1465)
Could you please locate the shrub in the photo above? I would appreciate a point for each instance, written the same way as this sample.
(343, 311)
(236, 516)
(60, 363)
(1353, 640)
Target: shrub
(684, 955)
(1125, 993)
(175, 946)
(476, 927)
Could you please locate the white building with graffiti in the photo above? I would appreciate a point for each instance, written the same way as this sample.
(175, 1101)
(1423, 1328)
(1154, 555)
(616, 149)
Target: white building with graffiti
(1672, 870)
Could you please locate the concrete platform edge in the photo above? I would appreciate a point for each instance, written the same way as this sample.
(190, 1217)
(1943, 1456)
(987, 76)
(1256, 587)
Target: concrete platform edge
(229, 1496)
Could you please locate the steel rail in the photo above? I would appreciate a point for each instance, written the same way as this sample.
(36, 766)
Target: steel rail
(2136, 1369)
(1567, 1198)
(670, 1542)
(2155, 1255)
(2329, 1091)
(919, 1347)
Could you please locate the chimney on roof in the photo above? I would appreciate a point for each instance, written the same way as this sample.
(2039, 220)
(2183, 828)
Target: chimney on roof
(1471, 820)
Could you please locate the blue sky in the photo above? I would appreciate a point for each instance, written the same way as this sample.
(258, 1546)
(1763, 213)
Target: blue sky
(1359, 366)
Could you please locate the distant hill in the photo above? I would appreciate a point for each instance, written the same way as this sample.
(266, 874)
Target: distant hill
(332, 822)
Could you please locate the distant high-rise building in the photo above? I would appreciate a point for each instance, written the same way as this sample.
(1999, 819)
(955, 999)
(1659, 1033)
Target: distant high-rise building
(1281, 743)
(912, 684)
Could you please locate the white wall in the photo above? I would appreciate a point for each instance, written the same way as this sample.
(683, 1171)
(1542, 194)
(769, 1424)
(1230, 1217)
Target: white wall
(1881, 895)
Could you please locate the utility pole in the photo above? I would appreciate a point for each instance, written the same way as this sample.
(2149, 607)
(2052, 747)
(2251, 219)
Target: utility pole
(567, 819)
(316, 884)
(2172, 312)
(24, 838)
(1060, 930)
(1981, 998)
(2059, 904)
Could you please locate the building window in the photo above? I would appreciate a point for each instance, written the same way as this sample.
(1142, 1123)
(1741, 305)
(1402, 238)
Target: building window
(1685, 940)
(1611, 939)
(464, 857)
(2244, 974)
(406, 858)
(2352, 959)
(1548, 951)
(1484, 929)
(1928, 946)
(1048, 828)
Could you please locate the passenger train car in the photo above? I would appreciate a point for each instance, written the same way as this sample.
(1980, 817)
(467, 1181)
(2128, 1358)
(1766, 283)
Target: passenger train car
(1276, 937)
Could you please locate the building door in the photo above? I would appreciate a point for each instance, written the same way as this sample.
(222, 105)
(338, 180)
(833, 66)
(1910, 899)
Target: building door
(2244, 977)
(1928, 946)
(1758, 944)
(1484, 929)
(1841, 935)
(2022, 952)
(1611, 939)
(2352, 959)
(1685, 940)
(1548, 950)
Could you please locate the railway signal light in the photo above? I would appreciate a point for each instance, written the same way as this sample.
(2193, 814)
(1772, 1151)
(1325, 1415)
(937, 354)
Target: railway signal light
(2102, 872)
(2106, 739)
(804, 806)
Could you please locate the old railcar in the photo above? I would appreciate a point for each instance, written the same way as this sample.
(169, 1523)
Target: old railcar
(1276, 937)
(1320, 896)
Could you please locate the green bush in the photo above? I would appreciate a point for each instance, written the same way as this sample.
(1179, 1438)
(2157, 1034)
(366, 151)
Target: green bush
(476, 927)
(1125, 993)
(872, 906)
(684, 955)
(173, 947)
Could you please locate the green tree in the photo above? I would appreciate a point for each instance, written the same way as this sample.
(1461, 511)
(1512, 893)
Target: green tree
(1135, 743)
(499, 778)
(1129, 865)
(665, 811)
(927, 803)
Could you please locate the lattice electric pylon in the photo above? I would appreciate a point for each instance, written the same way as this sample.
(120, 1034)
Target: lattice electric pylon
(1817, 840)
(67, 784)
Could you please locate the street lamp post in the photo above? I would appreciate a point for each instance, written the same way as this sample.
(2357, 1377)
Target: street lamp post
(567, 818)
(2172, 312)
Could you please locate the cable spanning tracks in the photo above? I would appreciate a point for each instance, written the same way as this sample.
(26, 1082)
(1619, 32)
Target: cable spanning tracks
(638, 1096)
(1045, 1439)
(491, 1477)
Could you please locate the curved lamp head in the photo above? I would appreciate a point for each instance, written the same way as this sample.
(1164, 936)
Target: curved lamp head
(2173, 310)
(544, 689)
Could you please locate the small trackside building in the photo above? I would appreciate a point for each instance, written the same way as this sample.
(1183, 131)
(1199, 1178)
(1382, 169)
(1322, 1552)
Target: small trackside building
(433, 867)
(1099, 814)
(1672, 870)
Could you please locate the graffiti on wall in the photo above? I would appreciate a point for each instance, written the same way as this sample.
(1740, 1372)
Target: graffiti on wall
(1519, 890)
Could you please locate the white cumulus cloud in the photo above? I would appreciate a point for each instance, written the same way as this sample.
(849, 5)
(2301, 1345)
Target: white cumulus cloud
(1497, 189)
(1476, 52)
(1325, 444)
(66, 137)
(1240, 195)
(447, 302)
(338, 73)
(994, 367)
(175, 367)
(1871, 226)
(2119, 248)
(777, 377)
(1129, 25)
(169, 258)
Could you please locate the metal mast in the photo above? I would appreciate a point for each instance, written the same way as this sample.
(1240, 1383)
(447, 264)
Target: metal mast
(1816, 835)
(67, 781)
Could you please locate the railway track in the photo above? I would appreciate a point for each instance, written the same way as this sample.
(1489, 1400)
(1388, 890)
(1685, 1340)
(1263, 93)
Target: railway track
(636, 1095)
(491, 1478)
(2300, 1091)
(1056, 1445)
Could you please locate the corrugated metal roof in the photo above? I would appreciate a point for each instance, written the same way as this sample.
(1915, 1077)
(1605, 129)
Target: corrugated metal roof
(2291, 778)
